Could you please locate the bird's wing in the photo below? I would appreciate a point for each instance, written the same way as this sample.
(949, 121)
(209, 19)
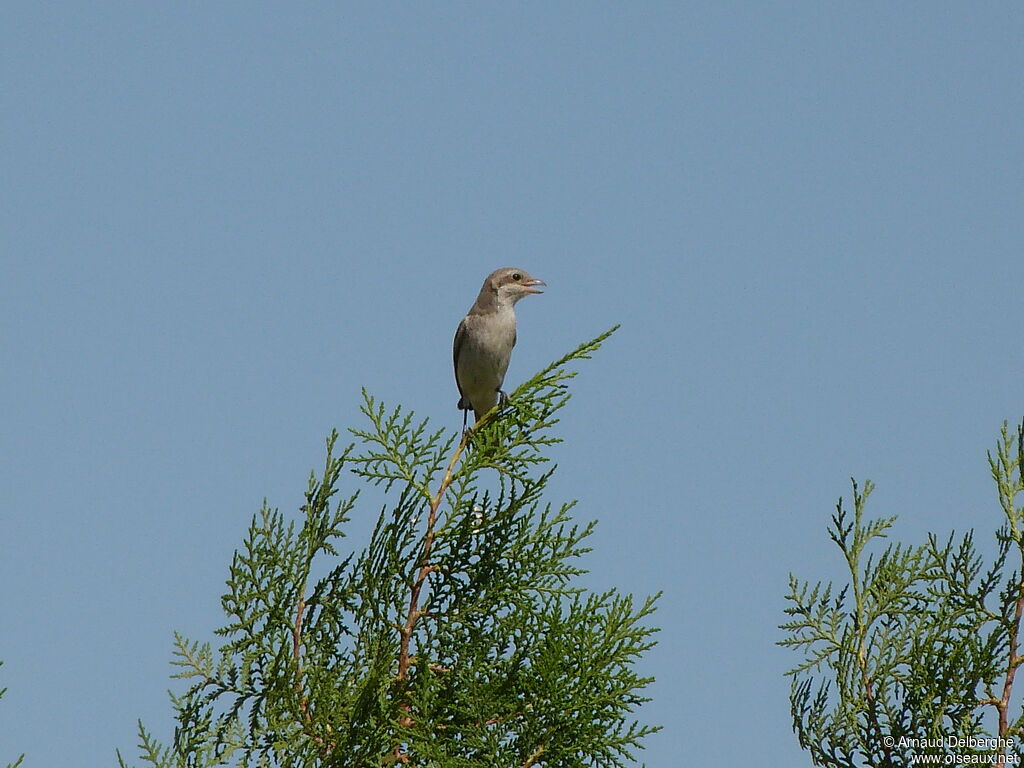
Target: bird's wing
(460, 335)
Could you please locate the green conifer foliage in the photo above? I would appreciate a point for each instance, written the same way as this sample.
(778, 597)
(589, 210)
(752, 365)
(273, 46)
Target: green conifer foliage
(456, 638)
(916, 655)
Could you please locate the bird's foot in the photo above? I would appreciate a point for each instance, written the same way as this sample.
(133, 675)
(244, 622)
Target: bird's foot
(502, 398)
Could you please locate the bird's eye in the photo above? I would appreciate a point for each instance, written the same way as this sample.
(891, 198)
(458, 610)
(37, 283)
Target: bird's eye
(517, 276)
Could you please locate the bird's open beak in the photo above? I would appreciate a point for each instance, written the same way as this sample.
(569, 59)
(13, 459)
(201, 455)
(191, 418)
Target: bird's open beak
(531, 286)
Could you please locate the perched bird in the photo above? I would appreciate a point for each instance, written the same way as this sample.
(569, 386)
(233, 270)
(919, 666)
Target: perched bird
(485, 337)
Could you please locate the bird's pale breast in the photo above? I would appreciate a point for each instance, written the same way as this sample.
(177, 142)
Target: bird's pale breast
(484, 357)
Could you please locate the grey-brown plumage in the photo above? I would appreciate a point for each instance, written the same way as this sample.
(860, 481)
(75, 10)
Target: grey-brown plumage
(485, 337)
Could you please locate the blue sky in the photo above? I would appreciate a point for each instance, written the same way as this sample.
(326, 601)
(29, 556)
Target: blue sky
(219, 221)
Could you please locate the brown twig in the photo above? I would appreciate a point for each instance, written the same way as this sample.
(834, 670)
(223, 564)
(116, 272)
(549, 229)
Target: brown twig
(534, 756)
(502, 718)
(307, 716)
(1013, 660)
(424, 567)
(296, 649)
(1006, 496)
(405, 630)
(869, 695)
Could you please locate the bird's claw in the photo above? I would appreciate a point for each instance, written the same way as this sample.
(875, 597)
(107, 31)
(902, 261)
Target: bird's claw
(502, 398)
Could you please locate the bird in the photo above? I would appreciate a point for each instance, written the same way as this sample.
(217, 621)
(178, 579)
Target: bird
(485, 337)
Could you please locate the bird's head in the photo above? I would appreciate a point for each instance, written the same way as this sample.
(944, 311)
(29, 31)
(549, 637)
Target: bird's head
(511, 284)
